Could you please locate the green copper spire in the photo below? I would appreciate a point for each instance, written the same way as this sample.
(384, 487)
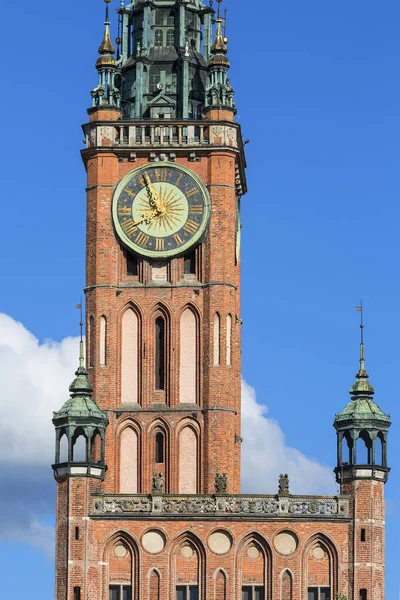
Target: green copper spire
(219, 92)
(361, 424)
(80, 417)
(106, 93)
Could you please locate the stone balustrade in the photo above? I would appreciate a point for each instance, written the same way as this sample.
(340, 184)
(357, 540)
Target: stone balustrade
(161, 134)
(258, 507)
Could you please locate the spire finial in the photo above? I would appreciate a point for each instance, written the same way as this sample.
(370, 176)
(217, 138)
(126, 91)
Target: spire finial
(362, 372)
(81, 347)
(219, 46)
(362, 385)
(106, 46)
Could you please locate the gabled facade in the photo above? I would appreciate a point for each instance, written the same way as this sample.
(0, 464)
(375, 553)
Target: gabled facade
(148, 446)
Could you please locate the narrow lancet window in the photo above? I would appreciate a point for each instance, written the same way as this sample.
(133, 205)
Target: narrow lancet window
(160, 354)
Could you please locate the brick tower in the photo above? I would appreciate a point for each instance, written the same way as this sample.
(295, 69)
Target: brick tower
(148, 445)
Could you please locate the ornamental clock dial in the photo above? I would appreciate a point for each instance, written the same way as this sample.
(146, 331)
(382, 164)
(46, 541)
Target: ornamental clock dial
(161, 210)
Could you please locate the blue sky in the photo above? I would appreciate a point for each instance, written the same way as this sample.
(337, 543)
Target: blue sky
(318, 91)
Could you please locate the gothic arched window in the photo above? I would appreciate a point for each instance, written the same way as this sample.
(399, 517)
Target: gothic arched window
(160, 354)
(170, 37)
(158, 37)
(159, 447)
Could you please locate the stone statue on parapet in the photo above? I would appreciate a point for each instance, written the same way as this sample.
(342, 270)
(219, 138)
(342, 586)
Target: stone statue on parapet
(284, 485)
(158, 483)
(221, 483)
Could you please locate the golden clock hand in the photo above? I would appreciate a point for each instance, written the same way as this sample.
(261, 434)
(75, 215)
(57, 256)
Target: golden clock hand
(152, 194)
(146, 218)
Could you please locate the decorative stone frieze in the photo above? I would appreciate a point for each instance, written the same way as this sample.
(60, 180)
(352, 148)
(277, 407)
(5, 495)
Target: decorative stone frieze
(260, 506)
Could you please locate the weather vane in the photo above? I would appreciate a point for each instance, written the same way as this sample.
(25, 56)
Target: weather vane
(360, 310)
(79, 307)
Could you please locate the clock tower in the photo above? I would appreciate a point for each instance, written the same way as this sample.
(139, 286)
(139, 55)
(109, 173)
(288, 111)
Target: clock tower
(147, 458)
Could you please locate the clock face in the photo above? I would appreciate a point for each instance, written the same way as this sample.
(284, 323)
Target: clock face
(161, 210)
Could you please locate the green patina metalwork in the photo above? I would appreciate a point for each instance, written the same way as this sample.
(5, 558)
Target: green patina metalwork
(362, 419)
(80, 415)
(165, 50)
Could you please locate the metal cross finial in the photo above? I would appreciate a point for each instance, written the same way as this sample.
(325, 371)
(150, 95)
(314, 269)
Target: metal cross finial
(360, 310)
(81, 349)
(362, 371)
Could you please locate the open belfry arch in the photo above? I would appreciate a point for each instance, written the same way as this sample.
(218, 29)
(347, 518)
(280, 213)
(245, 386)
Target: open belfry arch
(147, 458)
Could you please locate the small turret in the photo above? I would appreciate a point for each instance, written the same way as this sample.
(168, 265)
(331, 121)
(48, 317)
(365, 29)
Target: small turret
(80, 431)
(106, 93)
(219, 92)
(362, 430)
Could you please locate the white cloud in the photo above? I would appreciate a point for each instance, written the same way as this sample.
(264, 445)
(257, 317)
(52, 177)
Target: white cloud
(265, 455)
(34, 382)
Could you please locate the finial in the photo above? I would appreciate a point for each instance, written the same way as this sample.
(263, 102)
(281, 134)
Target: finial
(362, 385)
(219, 46)
(81, 348)
(362, 372)
(106, 46)
(107, 2)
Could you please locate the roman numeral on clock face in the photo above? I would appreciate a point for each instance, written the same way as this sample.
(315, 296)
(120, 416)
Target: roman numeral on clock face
(129, 227)
(196, 209)
(124, 210)
(142, 239)
(161, 174)
(191, 226)
(191, 192)
(160, 244)
(178, 240)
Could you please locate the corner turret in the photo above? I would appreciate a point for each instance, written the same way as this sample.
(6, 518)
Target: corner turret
(219, 92)
(80, 431)
(106, 93)
(362, 430)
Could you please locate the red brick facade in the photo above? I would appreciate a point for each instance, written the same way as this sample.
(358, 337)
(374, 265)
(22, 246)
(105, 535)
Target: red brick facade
(223, 544)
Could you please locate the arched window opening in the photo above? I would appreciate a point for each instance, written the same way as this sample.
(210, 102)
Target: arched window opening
(128, 468)
(158, 37)
(220, 586)
(160, 354)
(63, 449)
(287, 586)
(103, 341)
(320, 572)
(188, 461)
(347, 449)
(154, 586)
(91, 342)
(380, 450)
(159, 16)
(188, 358)
(130, 358)
(364, 449)
(120, 570)
(253, 572)
(217, 335)
(96, 447)
(159, 447)
(79, 446)
(170, 37)
(187, 572)
(229, 340)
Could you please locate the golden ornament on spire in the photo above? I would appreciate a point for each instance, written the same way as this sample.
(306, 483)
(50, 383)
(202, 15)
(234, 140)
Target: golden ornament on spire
(106, 46)
(219, 46)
